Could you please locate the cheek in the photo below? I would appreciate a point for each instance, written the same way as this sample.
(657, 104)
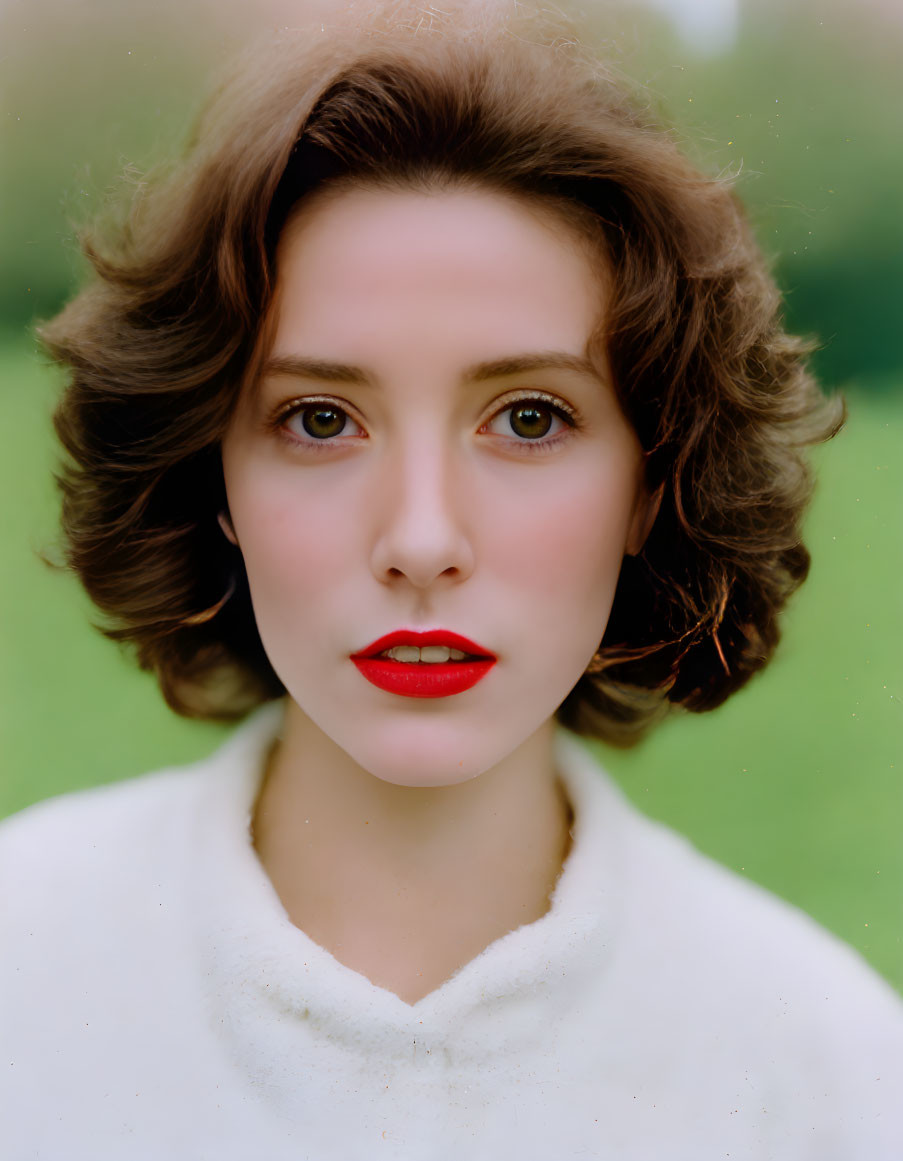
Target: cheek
(295, 537)
(567, 535)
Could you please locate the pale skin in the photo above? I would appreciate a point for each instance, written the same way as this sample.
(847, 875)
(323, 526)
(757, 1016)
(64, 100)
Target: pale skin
(405, 835)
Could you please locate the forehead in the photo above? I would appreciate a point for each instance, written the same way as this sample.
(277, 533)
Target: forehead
(464, 264)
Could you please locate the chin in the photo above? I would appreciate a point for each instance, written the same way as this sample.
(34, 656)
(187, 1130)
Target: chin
(428, 752)
(425, 779)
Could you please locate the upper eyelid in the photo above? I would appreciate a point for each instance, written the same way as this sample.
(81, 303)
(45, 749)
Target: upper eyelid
(299, 403)
(527, 394)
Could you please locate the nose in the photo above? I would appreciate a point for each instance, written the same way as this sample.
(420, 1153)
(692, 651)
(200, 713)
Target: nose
(422, 532)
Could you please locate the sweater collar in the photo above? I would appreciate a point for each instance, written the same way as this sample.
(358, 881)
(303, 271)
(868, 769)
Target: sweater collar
(501, 1001)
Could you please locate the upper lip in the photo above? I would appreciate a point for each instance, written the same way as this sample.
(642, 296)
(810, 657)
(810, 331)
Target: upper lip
(426, 637)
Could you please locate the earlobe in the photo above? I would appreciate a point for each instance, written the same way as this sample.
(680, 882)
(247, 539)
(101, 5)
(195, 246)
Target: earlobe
(643, 519)
(228, 531)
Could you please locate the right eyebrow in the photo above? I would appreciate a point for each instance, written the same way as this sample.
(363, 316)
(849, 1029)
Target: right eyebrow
(318, 369)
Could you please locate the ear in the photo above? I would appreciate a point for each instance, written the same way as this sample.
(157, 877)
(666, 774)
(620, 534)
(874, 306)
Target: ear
(228, 531)
(643, 518)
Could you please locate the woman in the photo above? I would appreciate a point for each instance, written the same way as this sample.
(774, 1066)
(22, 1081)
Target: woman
(437, 401)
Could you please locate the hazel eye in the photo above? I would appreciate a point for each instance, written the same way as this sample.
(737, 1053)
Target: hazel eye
(320, 421)
(529, 420)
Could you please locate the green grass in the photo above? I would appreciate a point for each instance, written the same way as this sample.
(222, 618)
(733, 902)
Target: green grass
(796, 781)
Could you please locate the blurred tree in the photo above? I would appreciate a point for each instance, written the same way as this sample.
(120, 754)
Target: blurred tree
(804, 107)
(88, 92)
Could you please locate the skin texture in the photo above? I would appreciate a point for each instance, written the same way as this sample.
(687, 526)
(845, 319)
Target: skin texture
(404, 834)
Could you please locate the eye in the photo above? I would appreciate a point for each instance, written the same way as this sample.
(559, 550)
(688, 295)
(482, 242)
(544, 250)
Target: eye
(531, 419)
(316, 422)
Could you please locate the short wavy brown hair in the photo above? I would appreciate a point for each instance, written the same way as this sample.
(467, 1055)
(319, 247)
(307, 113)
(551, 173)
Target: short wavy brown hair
(172, 328)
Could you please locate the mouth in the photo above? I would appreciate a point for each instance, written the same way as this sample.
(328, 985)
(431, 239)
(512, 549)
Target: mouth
(435, 663)
(431, 647)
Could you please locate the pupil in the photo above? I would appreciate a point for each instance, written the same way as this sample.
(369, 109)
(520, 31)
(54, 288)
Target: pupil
(530, 422)
(321, 422)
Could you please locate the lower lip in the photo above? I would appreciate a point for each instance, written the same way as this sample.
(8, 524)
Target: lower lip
(423, 679)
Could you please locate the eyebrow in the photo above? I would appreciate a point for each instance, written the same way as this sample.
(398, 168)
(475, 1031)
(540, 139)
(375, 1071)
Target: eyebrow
(328, 372)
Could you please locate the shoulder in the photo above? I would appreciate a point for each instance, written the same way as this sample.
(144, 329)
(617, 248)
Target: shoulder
(735, 925)
(77, 869)
(673, 899)
(137, 803)
(92, 902)
(808, 1030)
(80, 849)
(742, 986)
(75, 831)
(733, 929)
(102, 891)
(738, 939)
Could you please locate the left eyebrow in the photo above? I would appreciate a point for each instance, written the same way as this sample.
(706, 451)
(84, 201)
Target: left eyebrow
(518, 364)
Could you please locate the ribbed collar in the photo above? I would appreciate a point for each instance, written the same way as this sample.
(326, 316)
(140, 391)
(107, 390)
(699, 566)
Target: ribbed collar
(501, 1001)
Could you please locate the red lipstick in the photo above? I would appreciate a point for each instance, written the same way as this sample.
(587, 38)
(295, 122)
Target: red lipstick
(424, 678)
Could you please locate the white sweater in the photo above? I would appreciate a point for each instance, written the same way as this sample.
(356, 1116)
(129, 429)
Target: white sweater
(156, 1003)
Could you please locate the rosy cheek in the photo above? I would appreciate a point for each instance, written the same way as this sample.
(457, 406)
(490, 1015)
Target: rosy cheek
(567, 535)
(288, 533)
(301, 545)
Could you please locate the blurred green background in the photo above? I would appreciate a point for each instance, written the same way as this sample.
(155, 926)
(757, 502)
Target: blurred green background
(797, 781)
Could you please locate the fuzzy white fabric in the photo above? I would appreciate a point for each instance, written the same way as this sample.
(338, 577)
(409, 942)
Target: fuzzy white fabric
(156, 1004)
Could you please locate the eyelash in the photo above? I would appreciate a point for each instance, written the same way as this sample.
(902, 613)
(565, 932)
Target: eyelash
(551, 403)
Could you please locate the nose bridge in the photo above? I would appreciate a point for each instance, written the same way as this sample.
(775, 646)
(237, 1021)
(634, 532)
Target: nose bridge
(422, 533)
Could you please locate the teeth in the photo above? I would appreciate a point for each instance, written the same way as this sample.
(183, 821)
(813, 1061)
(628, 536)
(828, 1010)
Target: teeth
(404, 653)
(439, 653)
(429, 653)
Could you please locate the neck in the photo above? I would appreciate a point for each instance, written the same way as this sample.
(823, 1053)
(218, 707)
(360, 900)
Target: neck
(406, 884)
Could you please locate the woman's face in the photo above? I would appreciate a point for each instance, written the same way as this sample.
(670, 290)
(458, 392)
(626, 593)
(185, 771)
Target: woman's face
(430, 449)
